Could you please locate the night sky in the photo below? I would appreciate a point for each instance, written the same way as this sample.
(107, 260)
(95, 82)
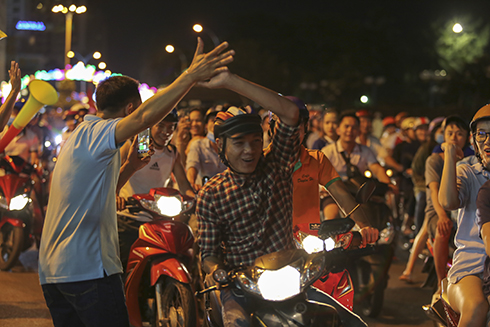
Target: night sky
(297, 40)
(137, 28)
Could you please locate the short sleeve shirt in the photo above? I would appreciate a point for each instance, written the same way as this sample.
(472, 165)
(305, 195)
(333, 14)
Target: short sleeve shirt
(483, 217)
(469, 257)
(204, 159)
(361, 156)
(312, 169)
(79, 240)
(433, 173)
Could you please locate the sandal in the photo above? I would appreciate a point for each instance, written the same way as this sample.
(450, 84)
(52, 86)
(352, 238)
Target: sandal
(406, 278)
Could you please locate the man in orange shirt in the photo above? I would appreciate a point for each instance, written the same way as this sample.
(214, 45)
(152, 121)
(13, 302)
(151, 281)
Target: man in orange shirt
(314, 171)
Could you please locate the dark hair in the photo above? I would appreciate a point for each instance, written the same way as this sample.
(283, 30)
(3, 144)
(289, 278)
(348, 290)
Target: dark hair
(458, 121)
(198, 109)
(116, 92)
(349, 113)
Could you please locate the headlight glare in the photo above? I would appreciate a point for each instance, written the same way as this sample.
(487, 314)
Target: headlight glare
(19, 202)
(281, 284)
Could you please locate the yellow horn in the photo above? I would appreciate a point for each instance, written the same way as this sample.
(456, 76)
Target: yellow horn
(41, 93)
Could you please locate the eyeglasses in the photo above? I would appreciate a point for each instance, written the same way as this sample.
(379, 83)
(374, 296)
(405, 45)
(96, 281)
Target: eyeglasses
(481, 136)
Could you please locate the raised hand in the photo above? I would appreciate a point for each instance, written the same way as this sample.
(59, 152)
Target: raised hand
(206, 65)
(15, 76)
(217, 81)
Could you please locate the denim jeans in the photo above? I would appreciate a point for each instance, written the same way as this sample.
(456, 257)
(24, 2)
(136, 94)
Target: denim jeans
(96, 302)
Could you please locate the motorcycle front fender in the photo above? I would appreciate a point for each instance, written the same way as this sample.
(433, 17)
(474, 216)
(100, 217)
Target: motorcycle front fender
(16, 222)
(170, 267)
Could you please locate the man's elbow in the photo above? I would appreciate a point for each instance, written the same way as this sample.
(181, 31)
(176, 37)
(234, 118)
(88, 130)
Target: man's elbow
(448, 204)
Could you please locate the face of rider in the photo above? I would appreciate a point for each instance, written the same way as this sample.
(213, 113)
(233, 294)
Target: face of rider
(197, 123)
(330, 125)
(483, 148)
(455, 135)
(348, 130)
(421, 133)
(243, 153)
(162, 133)
(366, 125)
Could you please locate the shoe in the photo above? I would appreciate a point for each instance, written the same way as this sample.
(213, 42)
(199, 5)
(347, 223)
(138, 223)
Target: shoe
(406, 278)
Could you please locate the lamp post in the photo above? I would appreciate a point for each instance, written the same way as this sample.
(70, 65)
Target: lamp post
(198, 29)
(68, 12)
(183, 59)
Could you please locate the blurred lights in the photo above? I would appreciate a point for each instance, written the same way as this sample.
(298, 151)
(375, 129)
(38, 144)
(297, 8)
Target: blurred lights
(97, 55)
(364, 99)
(457, 28)
(70, 54)
(197, 28)
(169, 48)
(102, 65)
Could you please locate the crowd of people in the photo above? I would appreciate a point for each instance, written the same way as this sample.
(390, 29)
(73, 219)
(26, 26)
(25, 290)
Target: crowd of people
(255, 173)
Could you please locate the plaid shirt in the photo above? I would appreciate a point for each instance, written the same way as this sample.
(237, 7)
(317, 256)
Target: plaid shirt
(244, 217)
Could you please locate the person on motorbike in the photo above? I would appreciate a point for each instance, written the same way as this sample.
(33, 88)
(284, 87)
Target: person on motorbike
(164, 161)
(313, 173)
(458, 190)
(202, 159)
(349, 157)
(78, 255)
(247, 209)
(439, 226)
(330, 123)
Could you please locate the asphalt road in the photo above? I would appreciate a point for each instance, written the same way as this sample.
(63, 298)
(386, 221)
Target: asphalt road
(22, 302)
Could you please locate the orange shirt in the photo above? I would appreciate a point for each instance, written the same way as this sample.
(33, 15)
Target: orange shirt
(312, 169)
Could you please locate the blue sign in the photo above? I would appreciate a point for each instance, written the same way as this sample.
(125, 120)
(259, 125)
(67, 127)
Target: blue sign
(23, 25)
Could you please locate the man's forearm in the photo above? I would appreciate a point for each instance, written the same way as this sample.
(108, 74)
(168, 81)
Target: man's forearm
(448, 191)
(125, 173)
(286, 110)
(7, 107)
(211, 263)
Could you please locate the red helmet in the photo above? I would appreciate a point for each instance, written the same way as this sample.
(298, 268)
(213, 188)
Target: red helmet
(389, 120)
(363, 113)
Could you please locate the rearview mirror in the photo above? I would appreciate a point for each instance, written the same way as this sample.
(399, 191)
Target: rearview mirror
(334, 227)
(365, 191)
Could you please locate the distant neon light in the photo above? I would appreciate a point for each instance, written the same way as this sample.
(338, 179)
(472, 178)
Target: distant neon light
(23, 25)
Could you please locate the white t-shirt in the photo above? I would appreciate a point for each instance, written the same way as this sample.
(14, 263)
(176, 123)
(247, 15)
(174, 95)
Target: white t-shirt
(154, 174)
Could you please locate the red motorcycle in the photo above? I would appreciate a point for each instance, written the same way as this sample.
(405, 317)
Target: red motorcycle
(337, 284)
(159, 286)
(21, 214)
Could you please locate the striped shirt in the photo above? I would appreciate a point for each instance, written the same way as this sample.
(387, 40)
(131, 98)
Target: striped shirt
(242, 217)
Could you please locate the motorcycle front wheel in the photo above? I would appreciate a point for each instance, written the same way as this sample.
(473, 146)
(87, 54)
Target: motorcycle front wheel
(11, 241)
(177, 305)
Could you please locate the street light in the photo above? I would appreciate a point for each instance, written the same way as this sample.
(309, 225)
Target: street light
(457, 28)
(198, 29)
(68, 12)
(85, 60)
(183, 59)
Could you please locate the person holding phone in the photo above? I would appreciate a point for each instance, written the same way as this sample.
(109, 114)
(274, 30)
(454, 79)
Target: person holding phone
(79, 266)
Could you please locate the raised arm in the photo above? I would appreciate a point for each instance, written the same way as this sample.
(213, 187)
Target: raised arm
(448, 190)
(285, 109)
(203, 67)
(8, 105)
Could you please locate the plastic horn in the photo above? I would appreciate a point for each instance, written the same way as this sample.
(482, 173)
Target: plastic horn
(2, 35)
(41, 93)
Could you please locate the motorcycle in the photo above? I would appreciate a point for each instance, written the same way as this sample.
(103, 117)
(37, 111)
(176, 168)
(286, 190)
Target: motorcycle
(280, 283)
(370, 273)
(21, 215)
(159, 285)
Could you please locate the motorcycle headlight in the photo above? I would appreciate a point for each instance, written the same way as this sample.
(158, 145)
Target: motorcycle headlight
(169, 206)
(281, 284)
(368, 174)
(19, 202)
(387, 235)
(284, 283)
(313, 244)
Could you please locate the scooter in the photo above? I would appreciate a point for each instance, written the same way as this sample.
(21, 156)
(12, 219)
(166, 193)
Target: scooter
(370, 273)
(21, 216)
(159, 285)
(280, 283)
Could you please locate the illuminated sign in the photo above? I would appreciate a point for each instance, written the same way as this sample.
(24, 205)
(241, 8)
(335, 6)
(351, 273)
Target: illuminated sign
(23, 25)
